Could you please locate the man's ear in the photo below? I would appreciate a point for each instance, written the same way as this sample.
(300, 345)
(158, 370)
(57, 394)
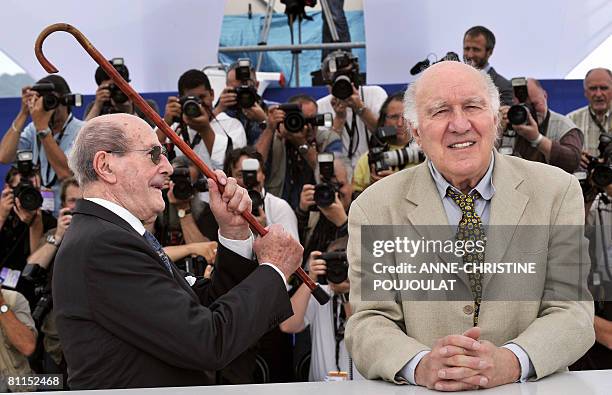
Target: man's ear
(416, 134)
(103, 166)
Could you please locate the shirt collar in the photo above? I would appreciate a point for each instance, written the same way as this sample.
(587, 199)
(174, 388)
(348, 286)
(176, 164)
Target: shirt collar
(606, 115)
(485, 187)
(486, 67)
(122, 213)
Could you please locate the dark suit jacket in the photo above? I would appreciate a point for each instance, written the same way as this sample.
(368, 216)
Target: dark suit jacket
(504, 86)
(124, 321)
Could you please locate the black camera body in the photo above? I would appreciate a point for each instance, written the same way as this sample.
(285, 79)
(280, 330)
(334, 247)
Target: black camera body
(599, 170)
(383, 158)
(117, 94)
(518, 114)
(295, 120)
(40, 279)
(29, 197)
(250, 167)
(190, 106)
(337, 266)
(183, 188)
(424, 64)
(343, 69)
(51, 101)
(246, 95)
(325, 191)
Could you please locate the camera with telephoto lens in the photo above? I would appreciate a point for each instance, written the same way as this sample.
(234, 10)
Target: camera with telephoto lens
(246, 95)
(29, 197)
(295, 120)
(598, 174)
(383, 158)
(183, 188)
(325, 191)
(40, 279)
(343, 73)
(336, 266)
(50, 98)
(250, 167)
(518, 114)
(190, 106)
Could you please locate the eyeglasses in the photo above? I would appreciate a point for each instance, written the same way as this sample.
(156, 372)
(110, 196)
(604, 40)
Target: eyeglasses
(155, 152)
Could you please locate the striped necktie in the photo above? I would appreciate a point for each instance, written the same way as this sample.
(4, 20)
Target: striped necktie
(158, 248)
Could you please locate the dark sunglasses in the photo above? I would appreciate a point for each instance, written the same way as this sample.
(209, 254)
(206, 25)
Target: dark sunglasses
(155, 152)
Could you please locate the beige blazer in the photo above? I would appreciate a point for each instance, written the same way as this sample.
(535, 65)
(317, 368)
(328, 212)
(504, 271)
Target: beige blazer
(383, 336)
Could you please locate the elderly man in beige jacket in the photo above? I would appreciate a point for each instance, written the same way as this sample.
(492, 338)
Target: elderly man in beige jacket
(486, 340)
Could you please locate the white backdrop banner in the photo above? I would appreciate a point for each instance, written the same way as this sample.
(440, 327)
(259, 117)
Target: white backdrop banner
(541, 39)
(159, 39)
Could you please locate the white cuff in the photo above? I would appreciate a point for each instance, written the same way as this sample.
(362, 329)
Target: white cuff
(527, 369)
(244, 248)
(408, 370)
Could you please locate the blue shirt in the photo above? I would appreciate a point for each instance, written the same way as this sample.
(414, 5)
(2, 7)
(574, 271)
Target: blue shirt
(64, 139)
(485, 188)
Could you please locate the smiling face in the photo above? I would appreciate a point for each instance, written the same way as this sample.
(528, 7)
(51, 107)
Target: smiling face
(138, 181)
(457, 124)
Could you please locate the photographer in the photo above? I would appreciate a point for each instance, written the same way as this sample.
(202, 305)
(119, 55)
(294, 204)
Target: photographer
(354, 106)
(329, 358)
(185, 220)
(239, 99)
(21, 227)
(39, 272)
(594, 118)
(267, 208)
(542, 135)
(17, 339)
(332, 197)
(391, 117)
(110, 99)
(291, 155)
(49, 136)
(191, 116)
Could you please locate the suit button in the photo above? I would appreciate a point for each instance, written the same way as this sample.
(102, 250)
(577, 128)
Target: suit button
(468, 309)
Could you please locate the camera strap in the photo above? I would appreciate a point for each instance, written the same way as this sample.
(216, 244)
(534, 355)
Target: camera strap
(599, 125)
(353, 141)
(58, 140)
(339, 321)
(185, 135)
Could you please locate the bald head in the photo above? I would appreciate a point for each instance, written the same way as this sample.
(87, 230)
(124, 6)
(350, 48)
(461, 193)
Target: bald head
(598, 90)
(448, 74)
(112, 132)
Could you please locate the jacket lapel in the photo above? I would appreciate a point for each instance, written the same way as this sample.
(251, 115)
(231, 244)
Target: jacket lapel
(507, 208)
(426, 212)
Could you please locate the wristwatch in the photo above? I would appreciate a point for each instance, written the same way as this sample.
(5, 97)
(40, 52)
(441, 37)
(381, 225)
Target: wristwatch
(303, 149)
(4, 309)
(44, 133)
(534, 143)
(52, 240)
(182, 212)
(360, 110)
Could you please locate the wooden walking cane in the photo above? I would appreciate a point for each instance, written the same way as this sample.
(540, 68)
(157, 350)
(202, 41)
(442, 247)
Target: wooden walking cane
(319, 294)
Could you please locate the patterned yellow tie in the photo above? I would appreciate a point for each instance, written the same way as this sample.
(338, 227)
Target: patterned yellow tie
(470, 228)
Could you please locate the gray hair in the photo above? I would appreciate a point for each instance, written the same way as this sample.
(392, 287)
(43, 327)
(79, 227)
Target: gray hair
(410, 107)
(99, 134)
(596, 69)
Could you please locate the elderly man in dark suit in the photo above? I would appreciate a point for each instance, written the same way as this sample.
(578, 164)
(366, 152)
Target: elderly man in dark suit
(127, 317)
(478, 44)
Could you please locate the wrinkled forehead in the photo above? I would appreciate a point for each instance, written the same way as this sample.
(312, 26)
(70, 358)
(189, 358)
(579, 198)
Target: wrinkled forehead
(139, 133)
(449, 90)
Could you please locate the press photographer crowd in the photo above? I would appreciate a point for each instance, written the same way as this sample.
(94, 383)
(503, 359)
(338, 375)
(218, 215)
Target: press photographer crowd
(123, 266)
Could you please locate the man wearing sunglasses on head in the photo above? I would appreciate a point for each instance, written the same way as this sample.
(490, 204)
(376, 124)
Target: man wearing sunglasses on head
(126, 316)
